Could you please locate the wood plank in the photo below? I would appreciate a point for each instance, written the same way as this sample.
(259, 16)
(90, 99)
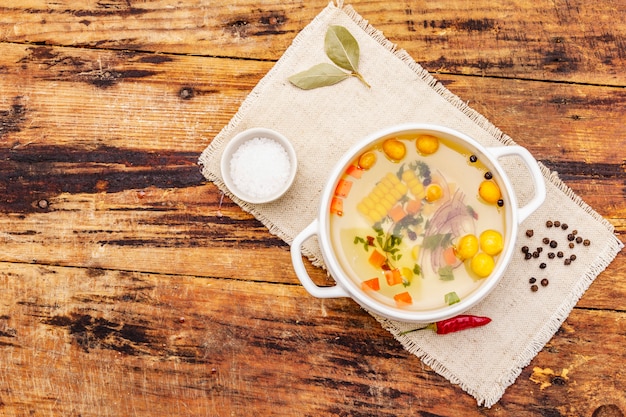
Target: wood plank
(182, 346)
(517, 39)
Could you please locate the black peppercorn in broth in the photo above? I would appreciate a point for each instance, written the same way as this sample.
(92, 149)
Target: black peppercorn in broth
(416, 223)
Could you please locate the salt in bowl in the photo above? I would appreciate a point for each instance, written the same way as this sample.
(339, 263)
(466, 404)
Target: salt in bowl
(259, 165)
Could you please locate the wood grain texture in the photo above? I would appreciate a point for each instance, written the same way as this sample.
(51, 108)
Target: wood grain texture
(131, 286)
(574, 40)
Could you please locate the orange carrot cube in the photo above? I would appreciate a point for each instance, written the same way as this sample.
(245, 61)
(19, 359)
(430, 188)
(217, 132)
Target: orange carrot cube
(397, 213)
(413, 206)
(371, 284)
(393, 277)
(354, 171)
(377, 259)
(403, 299)
(336, 206)
(343, 188)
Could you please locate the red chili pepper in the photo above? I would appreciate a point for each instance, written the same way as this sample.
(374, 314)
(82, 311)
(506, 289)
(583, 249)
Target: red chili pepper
(462, 322)
(455, 324)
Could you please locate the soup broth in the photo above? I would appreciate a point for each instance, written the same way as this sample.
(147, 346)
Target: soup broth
(417, 222)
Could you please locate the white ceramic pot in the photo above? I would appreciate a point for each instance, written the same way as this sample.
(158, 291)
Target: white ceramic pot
(346, 287)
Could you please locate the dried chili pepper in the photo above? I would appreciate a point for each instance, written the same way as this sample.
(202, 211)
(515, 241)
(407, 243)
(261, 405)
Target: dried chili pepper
(455, 324)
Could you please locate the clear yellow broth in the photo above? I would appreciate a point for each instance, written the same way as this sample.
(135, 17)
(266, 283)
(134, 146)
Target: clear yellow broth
(415, 231)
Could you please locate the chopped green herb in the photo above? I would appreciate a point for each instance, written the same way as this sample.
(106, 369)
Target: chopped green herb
(452, 298)
(446, 273)
(437, 240)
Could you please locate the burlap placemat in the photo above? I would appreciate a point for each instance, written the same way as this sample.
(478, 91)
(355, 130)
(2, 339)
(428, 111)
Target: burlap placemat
(323, 123)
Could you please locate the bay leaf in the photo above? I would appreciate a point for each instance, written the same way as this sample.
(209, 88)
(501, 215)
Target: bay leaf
(320, 75)
(342, 48)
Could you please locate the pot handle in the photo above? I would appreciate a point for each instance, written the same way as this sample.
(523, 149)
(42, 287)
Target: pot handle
(535, 172)
(298, 265)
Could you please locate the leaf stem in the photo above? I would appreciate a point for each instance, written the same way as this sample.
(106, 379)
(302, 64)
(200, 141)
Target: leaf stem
(360, 77)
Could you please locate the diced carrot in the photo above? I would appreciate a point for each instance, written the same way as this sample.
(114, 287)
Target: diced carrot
(343, 188)
(397, 213)
(371, 284)
(377, 259)
(413, 206)
(403, 299)
(336, 206)
(393, 277)
(354, 171)
(449, 256)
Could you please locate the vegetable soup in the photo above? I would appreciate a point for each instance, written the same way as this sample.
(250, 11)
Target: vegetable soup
(417, 221)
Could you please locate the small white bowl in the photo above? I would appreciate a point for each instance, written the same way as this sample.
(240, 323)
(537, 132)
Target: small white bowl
(235, 144)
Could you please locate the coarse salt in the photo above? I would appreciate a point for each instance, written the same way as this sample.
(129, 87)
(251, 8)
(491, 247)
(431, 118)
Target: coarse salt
(260, 167)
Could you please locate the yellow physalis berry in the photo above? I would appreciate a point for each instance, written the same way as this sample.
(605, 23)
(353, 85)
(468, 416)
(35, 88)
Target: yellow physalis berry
(491, 242)
(467, 247)
(482, 264)
(394, 149)
(415, 252)
(489, 191)
(367, 160)
(433, 192)
(427, 144)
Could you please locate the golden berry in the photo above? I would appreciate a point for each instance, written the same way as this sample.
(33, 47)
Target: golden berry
(427, 144)
(394, 149)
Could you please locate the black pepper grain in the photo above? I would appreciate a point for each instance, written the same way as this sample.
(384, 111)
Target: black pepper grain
(571, 245)
(564, 226)
(542, 265)
(539, 249)
(572, 257)
(532, 280)
(549, 224)
(544, 282)
(567, 261)
(546, 240)
(557, 224)
(559, 254)
(553, 244)
(528, 255)
(571, 237)
(535, 254)
(534, 288)
(530, 233)
(579, 239)
(574, 232)
(473, 158)
(500, 203)
(525, 249)
(551, 255)
(586, 242)
(488, 175)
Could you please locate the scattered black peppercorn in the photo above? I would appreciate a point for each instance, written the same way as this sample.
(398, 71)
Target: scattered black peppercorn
(574, 232)
(542, 265)
(559, 254)
(553, 244)
(551, 255)
(534, 288)
(525, 249)
(530, 233)
(586, 242)
(473, 158)
(564, 226)
(539, 249)
(532, 280)
(488, 175)
(544, 282)
(500, 203)
(572, 257)
(557, 224)
(549, 224)
(571, 245)
(571, 237)
(546, 240)
(567, 261)
(528, 255)
(535, 254)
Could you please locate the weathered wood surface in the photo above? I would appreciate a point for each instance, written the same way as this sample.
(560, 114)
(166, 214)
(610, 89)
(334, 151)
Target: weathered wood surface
(131, 287)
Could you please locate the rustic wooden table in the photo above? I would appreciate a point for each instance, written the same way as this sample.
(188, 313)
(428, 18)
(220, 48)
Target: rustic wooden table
(131, 287)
